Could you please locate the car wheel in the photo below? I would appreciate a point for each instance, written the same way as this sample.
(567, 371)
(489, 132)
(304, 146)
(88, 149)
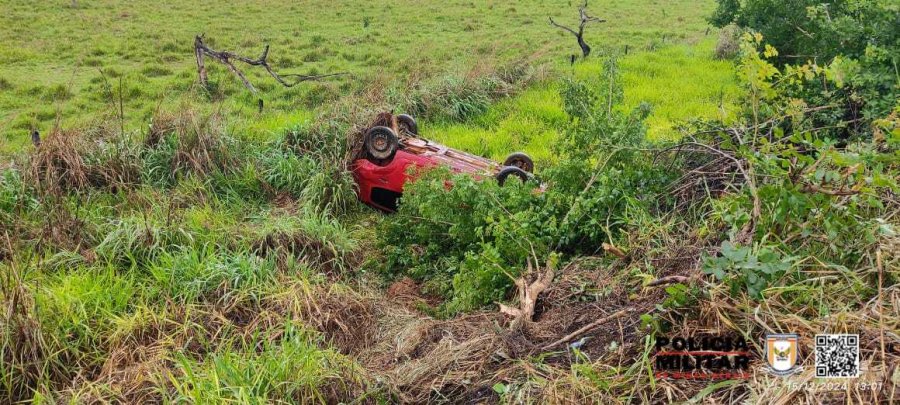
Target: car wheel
(520, 160)
(381, 143)
(408, 123)
(507, 171)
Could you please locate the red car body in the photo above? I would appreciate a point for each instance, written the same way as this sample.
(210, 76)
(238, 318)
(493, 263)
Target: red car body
(381, 185)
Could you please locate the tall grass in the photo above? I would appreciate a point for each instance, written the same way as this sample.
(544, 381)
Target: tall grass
(191, 273)
(292, 369)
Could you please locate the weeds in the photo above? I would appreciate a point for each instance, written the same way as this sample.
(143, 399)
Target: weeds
(22, 347)
(292, 370)
(57, 166)
(307, 235)
(188, 143)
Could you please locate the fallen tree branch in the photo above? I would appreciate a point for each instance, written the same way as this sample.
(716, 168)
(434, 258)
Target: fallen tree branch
(608, 247)
(226, 58)
(668, 280)
(587, 328)
(812, 188)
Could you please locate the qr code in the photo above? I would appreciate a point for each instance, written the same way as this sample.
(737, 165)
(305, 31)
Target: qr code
(837, 356)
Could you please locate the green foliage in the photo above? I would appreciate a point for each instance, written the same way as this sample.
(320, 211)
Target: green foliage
(285, 171)
(680, 296)
(136, 241)
(725, 13)
(309, 234)
(76, 312)
(187, 274)
(857, 38)
(158, 162)
(460, 97)
(320, 154)
(474, 233)
(754, 269)
(14, 196)
(820, 198)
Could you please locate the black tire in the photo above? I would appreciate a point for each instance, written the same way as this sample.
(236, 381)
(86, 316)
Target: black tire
(381, 143)
(408, 123)
(520, 160)
(507, 171)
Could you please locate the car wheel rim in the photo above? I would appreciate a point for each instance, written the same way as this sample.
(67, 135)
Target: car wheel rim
(380, 143)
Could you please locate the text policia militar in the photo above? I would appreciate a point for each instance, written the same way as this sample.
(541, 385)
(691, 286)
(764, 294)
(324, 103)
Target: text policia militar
(702, 357)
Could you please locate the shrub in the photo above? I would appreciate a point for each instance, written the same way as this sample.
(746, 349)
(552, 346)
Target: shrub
(813, 197)
(728, 45)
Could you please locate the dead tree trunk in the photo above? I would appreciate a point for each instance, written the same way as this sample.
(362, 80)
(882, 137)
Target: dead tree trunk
(528, 296)
(579, 35)
(228, 58)
(198, 53)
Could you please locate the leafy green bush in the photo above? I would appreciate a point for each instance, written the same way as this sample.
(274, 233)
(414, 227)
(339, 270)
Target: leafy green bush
(812, 198)
(756, 269)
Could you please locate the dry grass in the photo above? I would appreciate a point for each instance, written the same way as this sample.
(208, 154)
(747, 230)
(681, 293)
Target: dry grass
(23, 348)
(56, 166)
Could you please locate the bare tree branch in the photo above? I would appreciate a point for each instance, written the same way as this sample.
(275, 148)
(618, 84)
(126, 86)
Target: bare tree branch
(227, 58)
(579, 35)
(587, 328)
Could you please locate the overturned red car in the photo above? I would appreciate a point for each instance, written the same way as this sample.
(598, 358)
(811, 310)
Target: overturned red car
(391, 146)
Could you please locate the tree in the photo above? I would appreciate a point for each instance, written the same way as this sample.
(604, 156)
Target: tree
(579, 35)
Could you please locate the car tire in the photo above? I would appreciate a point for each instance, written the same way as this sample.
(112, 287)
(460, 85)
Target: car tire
(408, 123)
(520, 160)
(507, 171)
(381, 143)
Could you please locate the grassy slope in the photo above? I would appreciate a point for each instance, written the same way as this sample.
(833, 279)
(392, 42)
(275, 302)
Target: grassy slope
(52, 55)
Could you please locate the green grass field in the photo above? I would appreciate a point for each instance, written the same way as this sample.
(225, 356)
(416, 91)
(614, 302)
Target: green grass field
(72, 65)
(679, 82)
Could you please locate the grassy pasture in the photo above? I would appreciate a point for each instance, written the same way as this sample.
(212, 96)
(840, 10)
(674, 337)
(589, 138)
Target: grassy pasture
(679, 82)
(75, 64)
